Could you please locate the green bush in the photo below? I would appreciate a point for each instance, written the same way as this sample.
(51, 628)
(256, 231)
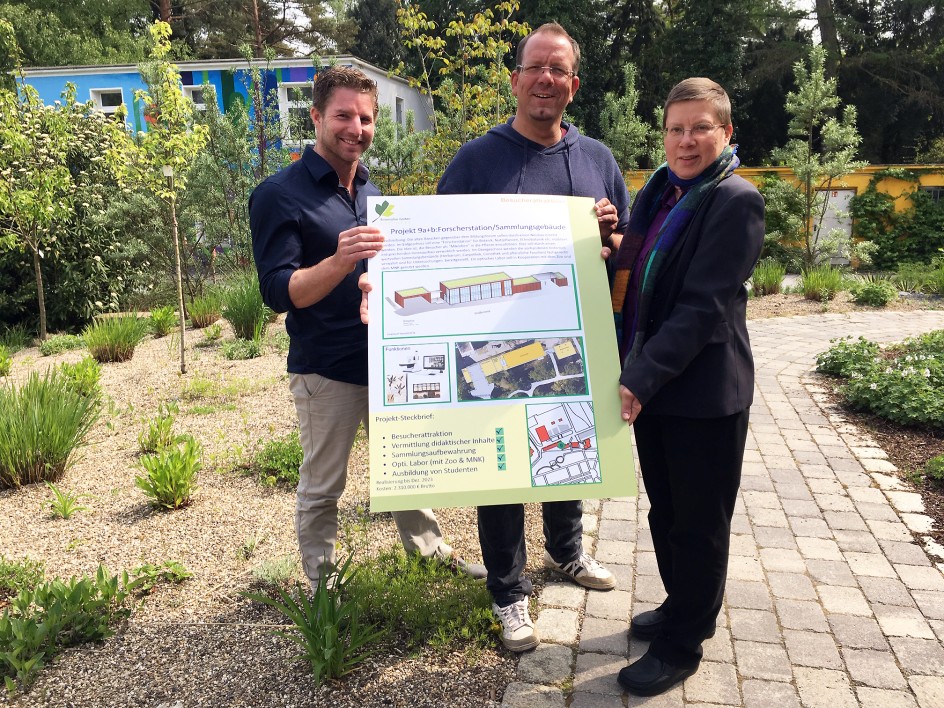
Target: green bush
(240, 349)
(58, 343)
(83, 375)
(821, 283)
(846, 356)
(113, 339)
(329, 627)
(767, 277)
(171, 474)
(6, 361)
(162, 321)
(205, 310)
(158, 433)
(41, 424)
(912, 236)
(16, 576)
(244, 310)
(873, 292)
(934, 469)
(278, 461)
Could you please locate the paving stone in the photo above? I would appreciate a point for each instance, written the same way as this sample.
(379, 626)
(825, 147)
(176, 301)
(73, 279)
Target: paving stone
(830, 572)
(845, 520)
(813, 649)
(563, 595)
(888, 481)
(909, 553)
(868, 495)
(649, 589)
(614, 604)
(841, 600)
(835, 502)
(713, 683)
(919, 656)
(794, 491)
(623, 574)
(931, 603)
(918, 523)
(869, 453)
(769, 517)
(857, 541)
(589, 523)
(817, 528)
(612, 551)
(870, 564)
(718, 647)
(890, 530)
(773, 537)
(875, 465)
(918, 578)
(604, 636)
(754, 625)
(763, 661)
(902, 622)
(824, 688)
(906, 501)
(801, 614)
(792, 586)
(758, 483)
(858, 632)
(760, 500)
(817, 470)
(558, 626)
(799, 508)
(740, 524)
(886, 591)
(529, 695)
(873, 668)
(782, 560)
(929, 690)
(748, 594)
(596, 673)
(877, 512)
(618, 529)
(548, 663)
(618, 510)
(819, 548)
(769, 694)
(646, 563)
(743, 545)
(787, 475)
(884, 698)
(744, 568)
(823, 483)
(595, 700)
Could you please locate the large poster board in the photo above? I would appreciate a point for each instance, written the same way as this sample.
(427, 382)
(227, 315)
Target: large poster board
(493, 364)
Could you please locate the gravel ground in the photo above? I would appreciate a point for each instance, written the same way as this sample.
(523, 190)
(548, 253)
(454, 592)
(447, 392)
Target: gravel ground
(200, 643)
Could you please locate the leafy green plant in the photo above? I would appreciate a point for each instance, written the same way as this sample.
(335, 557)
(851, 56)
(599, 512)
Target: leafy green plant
(113, 339)
(275, 572)
(240, 349)
(6, 361)
(204, 311)
(16, 576)
(278, 461)
(41, 424)
(162, 321)
(821, 283)
(83, 375)
(280, 341)
(329, 628)
(147, 575)
(64, 503)
(244, 309)
(934, 470)
(171, 474)
(158, 432)
(846, 356)
(768, 277)
(211, 335)
(15, 338)
(58, 343)
(874, 292)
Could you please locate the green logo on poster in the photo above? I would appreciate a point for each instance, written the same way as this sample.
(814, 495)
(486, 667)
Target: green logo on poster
(385, 208)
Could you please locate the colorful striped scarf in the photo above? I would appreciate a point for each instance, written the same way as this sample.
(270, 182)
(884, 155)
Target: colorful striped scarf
(645, 208)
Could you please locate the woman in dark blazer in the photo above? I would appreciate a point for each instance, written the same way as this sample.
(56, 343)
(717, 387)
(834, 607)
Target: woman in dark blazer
(695, 234)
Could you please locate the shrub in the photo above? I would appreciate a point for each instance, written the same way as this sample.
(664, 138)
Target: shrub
(934, 469)
(873, 292)
(162, 321)
(6, 361)
(240, 349)
(329, 627)
(204, 311)
(767, 277)
(821, 283)
(212, 334)
(15, 338)
(58, 343)
(113, 339)
(16, 576)
(244, 310)
(158, 433)
(275, 571)
(278, 461)
(41, 424)
(64, 503)
(846, 356)
(171, 474)
(83, 375)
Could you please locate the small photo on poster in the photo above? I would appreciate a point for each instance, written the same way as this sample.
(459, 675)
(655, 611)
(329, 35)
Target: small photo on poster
(416, 374)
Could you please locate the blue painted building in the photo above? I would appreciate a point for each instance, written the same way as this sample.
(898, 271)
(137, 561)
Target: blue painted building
(111, 86)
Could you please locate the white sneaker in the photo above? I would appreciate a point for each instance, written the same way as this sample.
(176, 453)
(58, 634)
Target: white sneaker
(585, 570)
(518, 633)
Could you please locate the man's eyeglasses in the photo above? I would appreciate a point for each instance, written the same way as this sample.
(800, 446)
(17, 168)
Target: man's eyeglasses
(702, 130)
(555, 71)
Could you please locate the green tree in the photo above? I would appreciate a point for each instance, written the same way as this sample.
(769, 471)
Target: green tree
(396, 156)
(621, 129)
(821, 150)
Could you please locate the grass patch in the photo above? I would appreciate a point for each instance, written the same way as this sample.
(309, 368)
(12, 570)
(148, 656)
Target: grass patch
(113, 339)
(201, 388)
(203, 409)
(767, 278)
(58, 343)
(278, 461)
(163, 321)
(204, 311)
(821, 283)
(244, 309)
(15, 338)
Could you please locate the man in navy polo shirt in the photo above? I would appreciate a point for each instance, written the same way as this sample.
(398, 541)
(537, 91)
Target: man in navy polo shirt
(311, 245)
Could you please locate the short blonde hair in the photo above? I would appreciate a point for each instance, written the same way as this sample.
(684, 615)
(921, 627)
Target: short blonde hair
(700, 89)
(341, 77)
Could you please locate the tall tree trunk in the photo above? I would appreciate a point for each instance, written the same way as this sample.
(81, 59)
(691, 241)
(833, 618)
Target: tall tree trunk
(257, 27)
(829, 36)
(39, 294)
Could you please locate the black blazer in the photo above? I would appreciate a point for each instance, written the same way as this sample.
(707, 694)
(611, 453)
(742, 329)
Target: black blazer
(696, 359)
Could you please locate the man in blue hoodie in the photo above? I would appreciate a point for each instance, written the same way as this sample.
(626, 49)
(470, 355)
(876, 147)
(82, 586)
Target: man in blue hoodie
(536, 152)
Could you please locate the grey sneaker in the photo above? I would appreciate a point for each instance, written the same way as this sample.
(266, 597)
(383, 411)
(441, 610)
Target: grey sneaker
(518, 633)
(584, 571)
(457, 565)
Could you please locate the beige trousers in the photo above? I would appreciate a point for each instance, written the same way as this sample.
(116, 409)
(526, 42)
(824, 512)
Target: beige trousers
(328, 415)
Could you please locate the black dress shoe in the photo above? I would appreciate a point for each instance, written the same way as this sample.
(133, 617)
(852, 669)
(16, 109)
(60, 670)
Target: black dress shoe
(647, 625)
(650, 676)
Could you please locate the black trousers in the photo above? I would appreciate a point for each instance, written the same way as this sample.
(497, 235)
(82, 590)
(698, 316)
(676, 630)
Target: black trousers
(501, 535)
(692, 470)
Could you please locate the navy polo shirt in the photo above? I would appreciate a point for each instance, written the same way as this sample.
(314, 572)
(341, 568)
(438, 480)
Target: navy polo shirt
(295, 217)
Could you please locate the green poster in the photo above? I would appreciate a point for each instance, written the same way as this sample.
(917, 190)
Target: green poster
(493, 364)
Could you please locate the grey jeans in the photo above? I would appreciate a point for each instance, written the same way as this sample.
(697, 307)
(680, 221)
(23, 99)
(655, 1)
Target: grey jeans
(328, 415)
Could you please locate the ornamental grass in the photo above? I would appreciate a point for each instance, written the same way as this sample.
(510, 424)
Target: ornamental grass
(113, 339)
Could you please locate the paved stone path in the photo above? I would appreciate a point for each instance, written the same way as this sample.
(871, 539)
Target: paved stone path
(831, 603)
